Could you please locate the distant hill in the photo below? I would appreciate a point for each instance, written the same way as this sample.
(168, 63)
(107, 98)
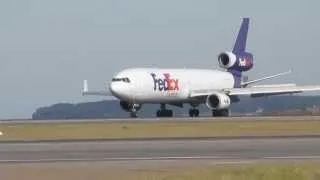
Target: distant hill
(111, 109)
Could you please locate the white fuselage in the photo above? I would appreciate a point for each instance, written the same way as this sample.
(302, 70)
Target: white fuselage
(155, 85)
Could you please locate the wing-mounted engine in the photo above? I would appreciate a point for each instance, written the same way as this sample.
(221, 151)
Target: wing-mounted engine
(218, 101)
(239, 62)
(129, 107)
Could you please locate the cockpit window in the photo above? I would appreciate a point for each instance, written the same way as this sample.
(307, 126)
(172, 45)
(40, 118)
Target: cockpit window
(127, 80)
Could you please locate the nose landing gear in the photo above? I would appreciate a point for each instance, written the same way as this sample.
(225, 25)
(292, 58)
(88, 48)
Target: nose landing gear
(133, 113)
(131, 108)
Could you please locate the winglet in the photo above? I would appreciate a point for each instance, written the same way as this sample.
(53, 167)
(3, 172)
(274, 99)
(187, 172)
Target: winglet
(85, 87)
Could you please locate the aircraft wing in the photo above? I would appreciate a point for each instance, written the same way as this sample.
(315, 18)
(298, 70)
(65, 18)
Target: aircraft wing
(259, 91)
(85, 91)
(97, 93)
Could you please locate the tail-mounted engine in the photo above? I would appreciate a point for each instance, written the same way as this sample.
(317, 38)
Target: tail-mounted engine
(218, 101)
(240, 62)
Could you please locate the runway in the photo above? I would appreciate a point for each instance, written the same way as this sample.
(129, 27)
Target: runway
(173, 119)
(162, 150)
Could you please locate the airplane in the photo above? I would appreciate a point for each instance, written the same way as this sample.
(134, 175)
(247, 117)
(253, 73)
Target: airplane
(215, 88)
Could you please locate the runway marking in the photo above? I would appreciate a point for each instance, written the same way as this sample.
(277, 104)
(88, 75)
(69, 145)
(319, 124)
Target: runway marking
(231, 159)
(293, 157)
(113, 159)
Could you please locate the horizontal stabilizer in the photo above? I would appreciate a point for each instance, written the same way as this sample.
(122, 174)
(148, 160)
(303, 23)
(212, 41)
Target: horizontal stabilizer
(244, 84)
(275, 85)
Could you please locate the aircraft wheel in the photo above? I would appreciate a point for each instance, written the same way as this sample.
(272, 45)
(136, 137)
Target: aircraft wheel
(169, 113)
(196, 113)
(133, 115)
(159, 113)
(193, 112)
(220, 113)
(225, 113)
(164, 113)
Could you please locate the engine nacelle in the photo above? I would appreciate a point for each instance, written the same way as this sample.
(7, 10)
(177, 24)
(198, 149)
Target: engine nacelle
(227, 60)
(129, 106)
(238, 62)
(218, 101)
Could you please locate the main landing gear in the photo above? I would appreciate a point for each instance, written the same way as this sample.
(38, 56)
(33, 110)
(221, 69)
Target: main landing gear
(163, 112)
(194, 112)
(221, 113)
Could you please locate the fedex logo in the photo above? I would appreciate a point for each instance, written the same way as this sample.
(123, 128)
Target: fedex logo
(165, 84)
(244, 61)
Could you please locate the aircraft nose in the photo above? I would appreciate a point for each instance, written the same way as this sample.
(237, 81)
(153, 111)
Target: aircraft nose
(115, 89)
(119, 90)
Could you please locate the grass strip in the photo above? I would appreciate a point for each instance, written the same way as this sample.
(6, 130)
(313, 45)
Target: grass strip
(255, 171)
(252, 172)
(105, 130)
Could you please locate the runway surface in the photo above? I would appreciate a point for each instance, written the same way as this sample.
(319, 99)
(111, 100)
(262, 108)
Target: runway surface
(173, 119)
(129, 151)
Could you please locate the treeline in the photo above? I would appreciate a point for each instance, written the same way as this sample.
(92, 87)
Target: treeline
(112, 109)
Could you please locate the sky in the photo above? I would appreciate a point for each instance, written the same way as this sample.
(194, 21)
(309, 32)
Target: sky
(47, 48)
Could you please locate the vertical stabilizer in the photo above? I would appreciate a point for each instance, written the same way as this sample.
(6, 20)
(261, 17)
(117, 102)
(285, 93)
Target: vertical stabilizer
(240, 45)
(239, 60)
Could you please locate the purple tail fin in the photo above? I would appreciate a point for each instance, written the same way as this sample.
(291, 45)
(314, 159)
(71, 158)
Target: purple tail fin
(240, 45)
(239, 60)
(239, 50)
